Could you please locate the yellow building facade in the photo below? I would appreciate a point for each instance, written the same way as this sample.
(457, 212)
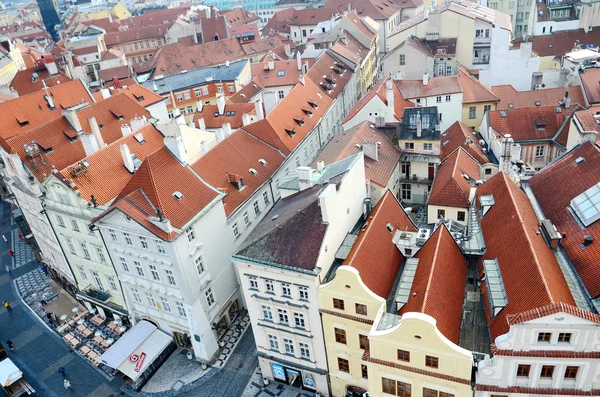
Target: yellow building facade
(472, 113)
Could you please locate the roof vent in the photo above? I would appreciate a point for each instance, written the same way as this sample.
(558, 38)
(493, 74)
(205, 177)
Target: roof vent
(177, 194)
(579, 160)
(389, 227)
(503, 114)
(262, 161)
(511, 106)
(587, 240)
(253, 171)
(538, 103)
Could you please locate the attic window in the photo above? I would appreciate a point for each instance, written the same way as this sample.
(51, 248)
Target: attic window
(216, 114)
(235, 180)
(290, 131)
(339, 65)
(338, 71)
(117, 113)
(579, 160)
(503, 114)
(253, 171)
(313, 103)
(558, 109)
(280, 73)
(230, 113)
(140, 138)
(140, 98)
(299, 120)
(511, 106)
(307, 111)
(538, 103)
(23, 121)
(177, 194)
(540, 124)
(329, 80)
(262, 161)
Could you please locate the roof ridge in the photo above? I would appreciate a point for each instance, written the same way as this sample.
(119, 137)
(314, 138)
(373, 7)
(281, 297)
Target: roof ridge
(433, 265)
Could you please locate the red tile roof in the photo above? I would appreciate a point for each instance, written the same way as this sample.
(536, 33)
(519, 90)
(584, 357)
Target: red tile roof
(590, 80)
(473, 91)
(260, 47)
(527, 99)
(139, 93)
(376, 9)
(375, 241)
(247, 92)
(450, 188)
(237, 154)
(33, 110)
(134, 34)
(23, 81)
(412, 89)
(558, 44)
(512, 236)
(461, 135)
(214, 26)
(120, 72)
(211, 121)
(240, 16)
(588, 121)
(552, 309)
(279, 22)
(246, 31)
(351, 49)
(330, 75)
(345, 145)
(554, 188)
(271, 78)
(106, 176)
(438, 288)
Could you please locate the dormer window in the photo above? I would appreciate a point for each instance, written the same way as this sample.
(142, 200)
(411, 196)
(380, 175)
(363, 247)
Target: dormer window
(235, 180)
(299, 120)
(290, 131)
(329, 80)
(313, 103)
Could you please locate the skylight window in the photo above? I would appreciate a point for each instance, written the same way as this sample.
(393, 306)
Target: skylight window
(495, 286)
(280, 73)
(587, 205)
(177, 194)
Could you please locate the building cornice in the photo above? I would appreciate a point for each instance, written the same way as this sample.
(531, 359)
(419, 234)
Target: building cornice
(546, 353)
(537, 391)
(347, 316)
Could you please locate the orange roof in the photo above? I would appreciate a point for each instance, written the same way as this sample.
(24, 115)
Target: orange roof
(24, 83)
(105, 176)
(32, 110)
(136, 33)
(261, 46)
(284, 73)
(531, 275)
(589, 80)
(450, 188)
(139, 93)
(212, 119)
(438, 288)
(237, 154)
(554, 308)
(239, 16)
(247, 92)
(461, 135)
(350, 48)
(345, 145)
(331, 75)
(375, 241)
(151, 188)
(473, 90)
(445, 85)
(527, 99)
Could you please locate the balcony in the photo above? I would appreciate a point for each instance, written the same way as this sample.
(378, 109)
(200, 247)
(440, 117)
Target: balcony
(415, 179)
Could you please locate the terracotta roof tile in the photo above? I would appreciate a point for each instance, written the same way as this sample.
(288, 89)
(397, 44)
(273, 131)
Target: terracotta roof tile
(245, 33)
(237, 154)
(450, 188)
(512, 236)
(554, 188)
(554, 308)
(412, 89)
(461, 135)
(134, 34)
(120, 72)
(23, 81)
(527, 99)
(329, 75)
(590, 79)
(139, 93)
(473, 90)
(262, 46)
(240, 16)
(344, 145)
(351, 49)
(375, 241)
(271, 78)
(214, 26)
(235, 120)
(279, 22)
(559, 43)
(376, 9)
(247, 92)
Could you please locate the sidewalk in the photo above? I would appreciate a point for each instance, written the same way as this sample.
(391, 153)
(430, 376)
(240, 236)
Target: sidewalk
(23, 252)
(256, 388)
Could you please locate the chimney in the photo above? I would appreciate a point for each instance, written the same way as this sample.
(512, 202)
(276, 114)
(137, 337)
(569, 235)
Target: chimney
(221, 104)
(71, 116)
(203, 148)
(105, 93)
(301, 79)
(389, 96)
(419, 128)
(320, 165)
(271, 65)
(245, 119)
(110, 18)
(51, 68)
(127, 160)
(226, 129)
(125, 129)
(288, 50)
(96, 131)
(327, 201)
(299, 60)
(260, 113)
(199, 106)
(137, 123)
(70, 67)
(201, 124)
(505, 156)
(89, 143)
(567, 100)
(589, 136)
(220, 135)
(175, 145)
(371, 150)
(305, 176)
(425, 78)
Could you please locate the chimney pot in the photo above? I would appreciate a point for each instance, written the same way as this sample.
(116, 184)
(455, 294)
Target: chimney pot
(425, 78)
(127, 160)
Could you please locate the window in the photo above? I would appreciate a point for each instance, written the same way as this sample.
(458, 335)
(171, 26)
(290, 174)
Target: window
(403, 355)
(472, 112)
(343, 365)
(544, 337)
(434, 393)
(86, 253)
(303, 292)
(267, 313)
(441, 214)
(170, 277)
(303, 32)
(438, 99)
(286, 290)
(364, 372)
(136, 295)
(256, 208)
(113, 235)
(230, 88)
(487, 108)
(128, 239)
(523, 370)
(273, 342)
(204, 90)
(269, 286)
(338, 304)
(74, 225)
(154, 272)
(165, 304)
(197, 92)
(280, 94)
(144, 242)
(253, 283)
(138, 268)
(571, 372)
(409, 146)
(564, 337)
(299, 320)
(266, 198)
(180, 309)
(488, 171)
(363, 341)
(124, 264)
(160, 247)
(304, 350)
(179, 97)
(361, 309)
(220, 88)
(406, 191)
(210, 299)
(283, 316)
(288, 346)
(246, 219)
(82, 273)
(236, 232)
(98, 281)
(186, 95)
(402, 59)
(539, 151)
(340, 335)
(100, 254)
(112, 283)
(60, 220)
(199, 261)
(431, 361)
(448, 98)
(428, 146)
(191, 235)
(547, 371)
(461, 216)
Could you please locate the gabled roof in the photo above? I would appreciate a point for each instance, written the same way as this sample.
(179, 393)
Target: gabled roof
(32, 110)
(120, 72)
(375, 241)
(375, 9)
(461, 135)
(105, 176)
(284, 73)
(351, 49)
(531, 274)
(552, 309)
(473, 90)
(240, 16)
(279, 22)
(345, 145)
(33, 79)
(445, 85)
(438, 287)
(139, 93)
(238, 154)
(554, 188)
(590, 81)
(450, 187)
(232, 114)
(262, 46)
(360, 24)
(247, 92)
(511, 98)
(330, 75)
(134, 34)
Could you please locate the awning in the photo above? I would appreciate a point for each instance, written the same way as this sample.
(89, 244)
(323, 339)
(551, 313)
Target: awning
(145, 354)
(9, 373)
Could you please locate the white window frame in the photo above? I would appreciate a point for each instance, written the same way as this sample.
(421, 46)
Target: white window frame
(181, 309)
(164, 303)
(154, 272)
(299, 321)
(170, 277)
(210, 298)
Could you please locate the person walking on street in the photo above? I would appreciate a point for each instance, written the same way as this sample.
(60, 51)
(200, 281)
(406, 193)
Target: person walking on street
(8, 270)
(11, 345)
(67, 385)
(7, 306)
(63, 372)
(11, 253)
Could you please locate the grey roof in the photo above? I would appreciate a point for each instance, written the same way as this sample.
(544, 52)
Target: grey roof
(196, 77)
(388, 321)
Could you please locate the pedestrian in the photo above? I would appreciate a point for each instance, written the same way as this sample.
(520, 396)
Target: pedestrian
(10, 345)
(7, 306)
(8, 269)
(67, 385)
(11, 253)
(44, 269)
(62, 371)
(50, 318)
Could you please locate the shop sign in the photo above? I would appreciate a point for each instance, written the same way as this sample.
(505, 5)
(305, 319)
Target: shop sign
(308, 381)
(138, 360)
(278, 372)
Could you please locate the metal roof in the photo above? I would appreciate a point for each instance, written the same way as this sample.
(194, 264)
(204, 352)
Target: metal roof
(494, 286)
(406, 282)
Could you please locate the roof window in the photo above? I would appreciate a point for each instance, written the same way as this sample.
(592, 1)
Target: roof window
(587, 205)
(177, 194)
(495, 286)
(280, 73)
(262, 161)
